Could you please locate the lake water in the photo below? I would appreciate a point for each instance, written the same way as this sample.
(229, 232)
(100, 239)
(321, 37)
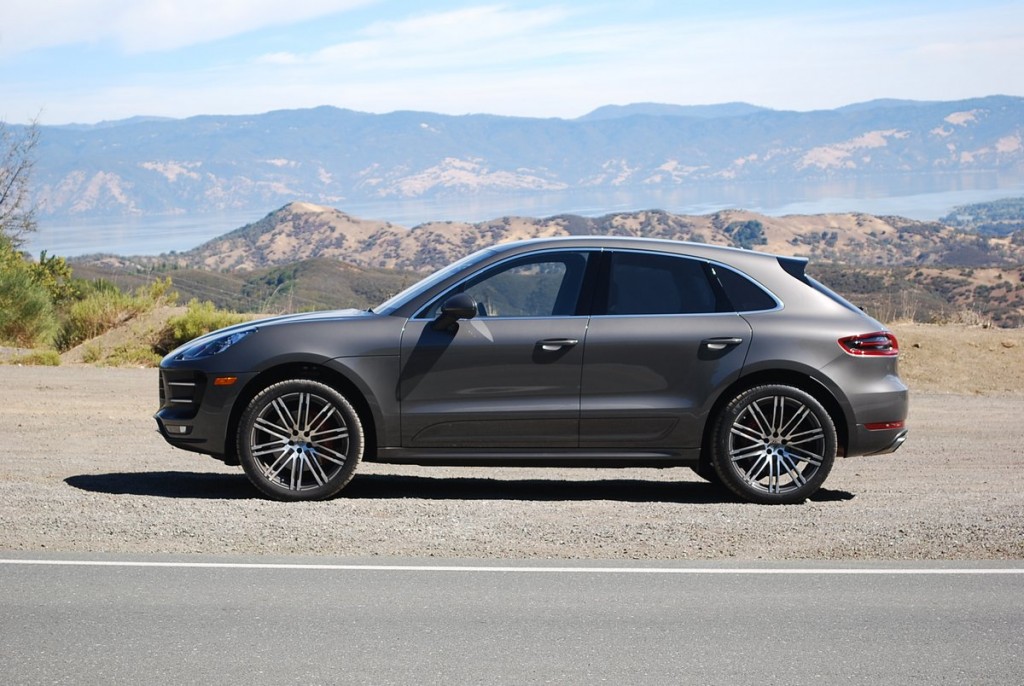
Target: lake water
(915, 197)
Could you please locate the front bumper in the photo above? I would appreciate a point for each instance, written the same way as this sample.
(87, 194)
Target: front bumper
(196, 411)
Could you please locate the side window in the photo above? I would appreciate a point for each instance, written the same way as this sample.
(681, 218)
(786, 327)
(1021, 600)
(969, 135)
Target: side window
(641, 283)
(543, 285)
(743, 294)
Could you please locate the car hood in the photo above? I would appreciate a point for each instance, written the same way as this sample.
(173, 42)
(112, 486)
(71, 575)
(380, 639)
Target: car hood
(308, 317)
(326, 315)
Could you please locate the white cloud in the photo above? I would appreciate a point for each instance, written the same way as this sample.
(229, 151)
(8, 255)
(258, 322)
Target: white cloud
(560, 60)
(466, 38)
(138, 26)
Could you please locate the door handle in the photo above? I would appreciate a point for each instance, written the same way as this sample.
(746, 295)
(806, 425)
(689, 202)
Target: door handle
(552, 344)
(720, 343)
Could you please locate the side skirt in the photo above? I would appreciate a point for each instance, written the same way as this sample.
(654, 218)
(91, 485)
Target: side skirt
(477, 457)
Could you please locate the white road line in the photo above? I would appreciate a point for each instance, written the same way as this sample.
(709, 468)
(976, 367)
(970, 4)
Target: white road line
(525, 570)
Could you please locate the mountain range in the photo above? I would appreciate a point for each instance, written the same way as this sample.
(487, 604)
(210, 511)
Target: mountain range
(302, 231)
(148, 166)
(314, 257)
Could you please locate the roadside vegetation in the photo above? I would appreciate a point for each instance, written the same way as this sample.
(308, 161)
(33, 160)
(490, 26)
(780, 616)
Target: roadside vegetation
(46, 311)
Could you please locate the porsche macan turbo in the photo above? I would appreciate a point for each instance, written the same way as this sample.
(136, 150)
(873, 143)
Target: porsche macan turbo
(580, 351)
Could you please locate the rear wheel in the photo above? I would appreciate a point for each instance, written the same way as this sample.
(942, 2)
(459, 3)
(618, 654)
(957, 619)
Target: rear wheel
(300, 440)
(773, 444)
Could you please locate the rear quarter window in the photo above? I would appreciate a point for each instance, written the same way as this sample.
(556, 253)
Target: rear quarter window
(825, 290)
(743, 294)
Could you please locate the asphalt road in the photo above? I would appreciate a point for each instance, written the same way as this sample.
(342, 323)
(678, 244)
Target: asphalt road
(157, 620)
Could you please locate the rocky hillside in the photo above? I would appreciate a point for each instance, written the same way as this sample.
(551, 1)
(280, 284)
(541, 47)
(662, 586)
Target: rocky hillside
(895, 267)
(301, 231)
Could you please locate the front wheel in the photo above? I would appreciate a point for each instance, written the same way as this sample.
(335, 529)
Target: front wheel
(773, 444)
(300, 440)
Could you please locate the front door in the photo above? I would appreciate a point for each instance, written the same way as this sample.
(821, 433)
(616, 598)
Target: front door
(508, 377)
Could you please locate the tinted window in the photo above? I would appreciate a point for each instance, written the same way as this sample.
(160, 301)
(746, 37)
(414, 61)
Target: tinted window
(537, 286)
(657, 284)
(743, 294)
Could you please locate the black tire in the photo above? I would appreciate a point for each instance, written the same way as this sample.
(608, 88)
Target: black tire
(300, 440)
(773, 444)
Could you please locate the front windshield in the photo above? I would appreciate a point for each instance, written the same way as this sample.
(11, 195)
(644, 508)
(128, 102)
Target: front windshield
(396, 301)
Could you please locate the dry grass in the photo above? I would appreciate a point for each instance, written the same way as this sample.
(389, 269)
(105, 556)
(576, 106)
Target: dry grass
(956, 358)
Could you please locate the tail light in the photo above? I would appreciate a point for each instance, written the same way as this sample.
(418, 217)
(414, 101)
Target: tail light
(878, 344)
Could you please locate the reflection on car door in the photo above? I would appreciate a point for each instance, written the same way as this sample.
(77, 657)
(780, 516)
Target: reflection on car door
(510, 377)
(656, 347)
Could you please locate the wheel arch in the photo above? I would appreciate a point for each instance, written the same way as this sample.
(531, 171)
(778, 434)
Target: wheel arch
(796, 379)
(302, 370)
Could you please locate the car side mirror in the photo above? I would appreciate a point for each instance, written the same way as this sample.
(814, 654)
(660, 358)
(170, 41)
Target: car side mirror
(459, 306)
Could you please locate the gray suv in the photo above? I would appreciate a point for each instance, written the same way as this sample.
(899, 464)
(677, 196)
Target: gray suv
(588, 352)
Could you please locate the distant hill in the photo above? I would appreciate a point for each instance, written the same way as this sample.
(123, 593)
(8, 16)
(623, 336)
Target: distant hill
(113, 123)
(884, 103)
(305, 256)
(995, 218)
(329, 156)
(302, 231)
(653, 109)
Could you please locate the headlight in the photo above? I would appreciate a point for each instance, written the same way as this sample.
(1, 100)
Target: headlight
(213, 346)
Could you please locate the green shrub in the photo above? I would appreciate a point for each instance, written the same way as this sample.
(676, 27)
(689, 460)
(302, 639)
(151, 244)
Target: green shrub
(27, 317)
(92, 287)
(92, 316)
(92, 353)
(39, 358)
(104, 306)
(133, 355)
(54, 274)
(746, 234)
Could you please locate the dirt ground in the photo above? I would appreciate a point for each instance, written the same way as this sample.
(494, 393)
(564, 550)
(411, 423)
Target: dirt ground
(85, 471)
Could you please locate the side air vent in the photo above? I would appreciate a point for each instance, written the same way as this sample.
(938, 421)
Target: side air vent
(180, 391)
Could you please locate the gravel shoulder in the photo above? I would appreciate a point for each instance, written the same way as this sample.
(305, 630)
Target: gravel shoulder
(85, 471)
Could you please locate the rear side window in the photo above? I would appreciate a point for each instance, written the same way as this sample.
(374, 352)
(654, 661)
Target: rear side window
(743, 294)
(641, 283)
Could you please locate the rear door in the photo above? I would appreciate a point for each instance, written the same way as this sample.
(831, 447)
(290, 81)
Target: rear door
(658, 347)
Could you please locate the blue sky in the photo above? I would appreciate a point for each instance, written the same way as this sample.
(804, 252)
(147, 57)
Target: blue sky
(92, 60)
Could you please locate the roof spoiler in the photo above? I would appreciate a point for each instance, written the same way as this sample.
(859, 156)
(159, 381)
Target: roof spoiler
(795, 267)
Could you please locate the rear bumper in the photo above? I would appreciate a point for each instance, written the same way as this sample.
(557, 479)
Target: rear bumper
(878, 415)
(894, 444)
(877, 442)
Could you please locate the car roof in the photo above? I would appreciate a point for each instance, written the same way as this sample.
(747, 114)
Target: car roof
(778, 274)
(738, 257)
